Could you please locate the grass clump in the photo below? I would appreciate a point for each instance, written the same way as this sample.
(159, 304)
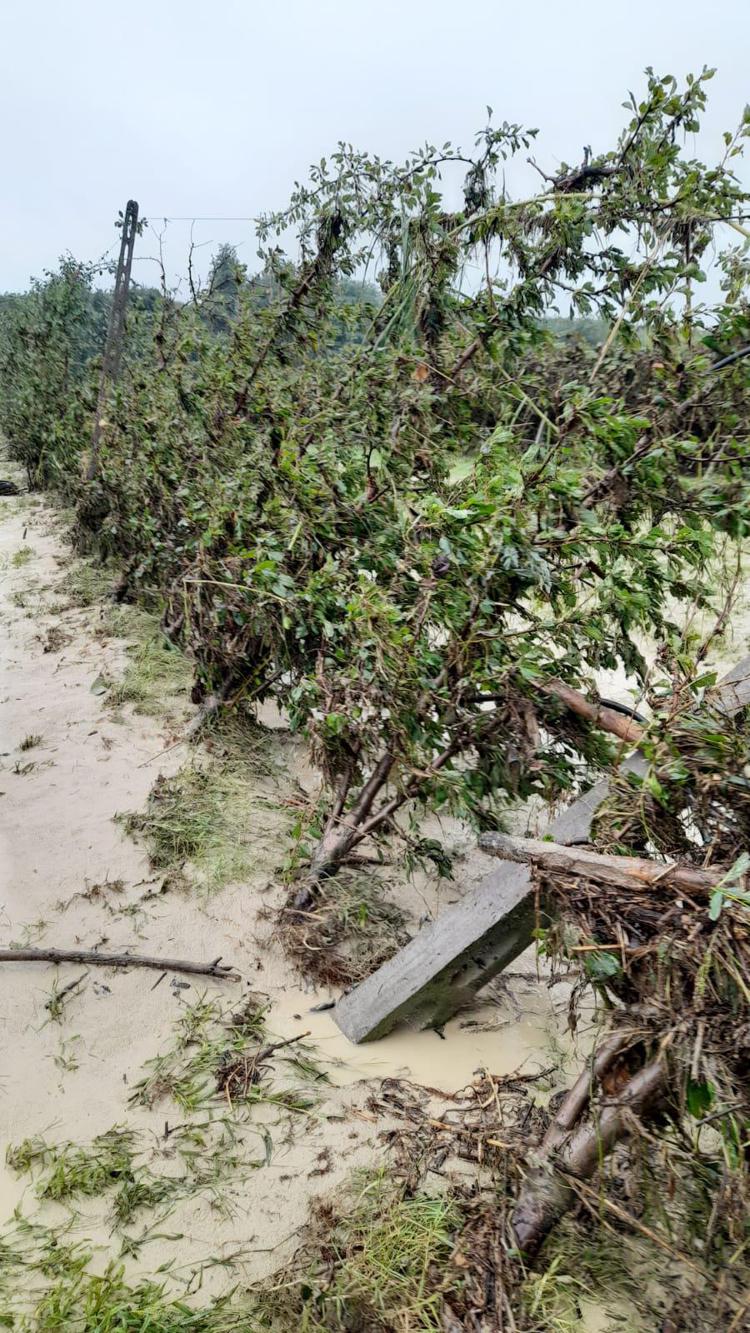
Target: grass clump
(352, 929)
(220, 1053)
(553, 1300)
(375, 1263)
(208, 1154)
(208, 813)
(31, 741)
(70, 1171)
(85, 584)
(198, 816)
(46, 1285)
(156, 672)
(22, 556)
(387, 1256)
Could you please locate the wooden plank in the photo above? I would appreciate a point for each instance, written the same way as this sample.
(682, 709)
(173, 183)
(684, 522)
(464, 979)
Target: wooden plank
(441, 969)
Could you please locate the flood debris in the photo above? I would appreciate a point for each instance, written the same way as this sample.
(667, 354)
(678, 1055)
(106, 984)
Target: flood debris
(452, 958)
(420, 524)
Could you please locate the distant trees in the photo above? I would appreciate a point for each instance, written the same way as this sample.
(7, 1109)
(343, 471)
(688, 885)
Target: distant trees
(593, 331)
(221, 300)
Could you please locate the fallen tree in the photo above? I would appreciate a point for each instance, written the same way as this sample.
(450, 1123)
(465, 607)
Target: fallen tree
(424, 525)
(668, 942)
(574, 1151)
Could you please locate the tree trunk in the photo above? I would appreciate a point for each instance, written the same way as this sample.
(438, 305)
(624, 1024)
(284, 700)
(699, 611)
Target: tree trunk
(547, 1192)
(343, 831)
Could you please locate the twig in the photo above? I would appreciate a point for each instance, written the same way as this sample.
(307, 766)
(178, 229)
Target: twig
(213, 969)
(66, 990)
(274, 1046)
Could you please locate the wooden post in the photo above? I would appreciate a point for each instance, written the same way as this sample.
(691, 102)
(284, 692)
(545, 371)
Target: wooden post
(115, 330)
(441, 969)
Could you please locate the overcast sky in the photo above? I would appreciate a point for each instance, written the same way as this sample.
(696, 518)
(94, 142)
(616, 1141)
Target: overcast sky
(213, 109)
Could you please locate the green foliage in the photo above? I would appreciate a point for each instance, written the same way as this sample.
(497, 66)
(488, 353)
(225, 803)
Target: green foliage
(397, 519)
(601, 966)
(70, 1171)
(220, 1051)
(47, 1286)
(47, 339)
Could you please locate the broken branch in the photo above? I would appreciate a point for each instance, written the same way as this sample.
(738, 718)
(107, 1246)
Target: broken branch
(213, 969)
(601, 714)
(625, 872)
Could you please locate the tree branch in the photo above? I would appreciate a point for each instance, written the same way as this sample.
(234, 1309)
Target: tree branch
(626, 872)
(213, 969)
(547, 1193)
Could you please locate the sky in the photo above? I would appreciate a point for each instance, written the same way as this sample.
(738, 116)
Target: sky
(213, 110)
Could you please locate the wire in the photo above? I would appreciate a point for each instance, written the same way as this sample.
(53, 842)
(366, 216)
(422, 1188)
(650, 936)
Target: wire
(162, 217)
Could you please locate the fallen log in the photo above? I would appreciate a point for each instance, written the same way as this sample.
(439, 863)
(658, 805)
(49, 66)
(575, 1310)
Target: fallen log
(577, 1098)
(547, 1192)
(625, 872)
(213, 969)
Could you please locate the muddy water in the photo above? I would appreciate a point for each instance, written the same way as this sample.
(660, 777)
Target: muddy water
(523, 1030)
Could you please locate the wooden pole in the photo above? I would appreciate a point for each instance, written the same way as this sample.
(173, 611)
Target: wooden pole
(115, 331)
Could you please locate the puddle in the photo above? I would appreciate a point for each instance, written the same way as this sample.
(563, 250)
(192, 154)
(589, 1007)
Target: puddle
(523, 1030)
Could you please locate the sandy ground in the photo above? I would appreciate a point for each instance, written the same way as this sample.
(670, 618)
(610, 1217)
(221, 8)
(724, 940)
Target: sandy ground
(61, 852)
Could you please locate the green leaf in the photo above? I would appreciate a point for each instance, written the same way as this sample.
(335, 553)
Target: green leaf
(602, 966)
(736, 871)
(700, 1098)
